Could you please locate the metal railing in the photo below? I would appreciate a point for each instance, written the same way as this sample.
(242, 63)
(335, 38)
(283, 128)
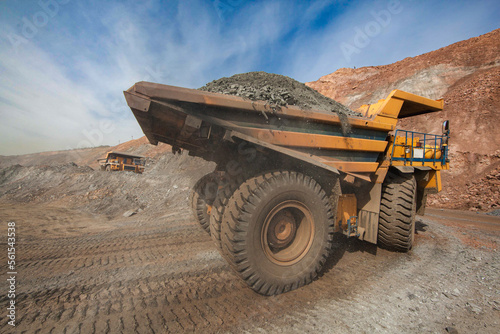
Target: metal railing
(427, 142)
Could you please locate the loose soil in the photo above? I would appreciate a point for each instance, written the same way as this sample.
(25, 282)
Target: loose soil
(165, 183)
(83, 273)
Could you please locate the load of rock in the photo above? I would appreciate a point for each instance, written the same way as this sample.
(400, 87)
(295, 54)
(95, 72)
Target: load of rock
(277, 90)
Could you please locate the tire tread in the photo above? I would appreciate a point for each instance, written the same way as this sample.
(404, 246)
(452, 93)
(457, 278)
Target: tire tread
(236, 222)
(397, 212)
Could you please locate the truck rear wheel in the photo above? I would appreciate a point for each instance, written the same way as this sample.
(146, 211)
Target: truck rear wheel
(398, 205)
(227, 187)
(202, 195)
(277, 231)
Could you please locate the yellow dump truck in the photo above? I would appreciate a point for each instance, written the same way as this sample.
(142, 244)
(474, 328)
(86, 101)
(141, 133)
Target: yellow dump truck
(120, 161)
(287, 179)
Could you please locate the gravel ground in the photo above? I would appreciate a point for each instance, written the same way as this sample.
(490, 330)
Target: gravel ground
(494, 213)
(83, 273)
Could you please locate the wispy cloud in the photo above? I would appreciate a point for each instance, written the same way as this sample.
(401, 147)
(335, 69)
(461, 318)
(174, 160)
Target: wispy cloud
(56, 89)
(413, 28)
(61, 87)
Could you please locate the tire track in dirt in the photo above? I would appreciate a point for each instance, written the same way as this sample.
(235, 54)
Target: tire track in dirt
(149, 276)
(412, 290)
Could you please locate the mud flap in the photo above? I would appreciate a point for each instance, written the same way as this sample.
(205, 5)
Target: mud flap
(428, 182)
(368, 198)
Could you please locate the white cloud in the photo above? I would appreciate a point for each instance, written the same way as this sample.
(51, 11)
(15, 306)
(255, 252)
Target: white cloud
(40, 107)
(52, 101)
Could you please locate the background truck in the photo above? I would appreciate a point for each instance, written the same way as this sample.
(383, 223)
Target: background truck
(287, 179)
(120, 161)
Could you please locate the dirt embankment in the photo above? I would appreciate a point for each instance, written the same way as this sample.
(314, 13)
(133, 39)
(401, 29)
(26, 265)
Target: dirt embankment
(467, 76)
(86, 156)
(165, 184)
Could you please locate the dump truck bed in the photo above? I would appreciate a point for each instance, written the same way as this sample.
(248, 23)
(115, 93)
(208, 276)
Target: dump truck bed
(201, 121)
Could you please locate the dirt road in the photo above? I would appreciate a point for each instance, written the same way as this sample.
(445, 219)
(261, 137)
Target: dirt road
(79, 273)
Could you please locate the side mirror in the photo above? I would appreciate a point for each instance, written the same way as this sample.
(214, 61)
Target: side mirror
(446, 127)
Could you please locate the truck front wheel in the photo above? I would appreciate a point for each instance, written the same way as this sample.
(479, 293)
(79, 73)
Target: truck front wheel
(277, 231)
(398, 205)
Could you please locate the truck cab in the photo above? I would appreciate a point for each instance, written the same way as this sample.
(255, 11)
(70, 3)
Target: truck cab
(119, 161)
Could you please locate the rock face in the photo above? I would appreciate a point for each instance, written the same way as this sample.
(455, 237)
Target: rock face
(467, 76)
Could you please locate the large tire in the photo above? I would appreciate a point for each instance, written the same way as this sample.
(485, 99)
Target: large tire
(202, 195)
(277, 231)
(398, 206)
(227, 187)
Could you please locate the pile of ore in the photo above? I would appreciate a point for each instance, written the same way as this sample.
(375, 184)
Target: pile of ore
(277, 90)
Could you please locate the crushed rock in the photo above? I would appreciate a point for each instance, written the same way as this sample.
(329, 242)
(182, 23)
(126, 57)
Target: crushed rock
(129, 213)
(109, 193)
(278, 91)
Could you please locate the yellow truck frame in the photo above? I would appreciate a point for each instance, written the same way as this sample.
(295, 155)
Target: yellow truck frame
(286, 178)
(121, 161)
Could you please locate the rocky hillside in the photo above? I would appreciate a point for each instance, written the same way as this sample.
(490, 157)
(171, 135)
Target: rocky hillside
(467, 76)
(65, 179)
(73, 179)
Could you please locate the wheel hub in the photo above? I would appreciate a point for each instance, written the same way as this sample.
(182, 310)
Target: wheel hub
(287, 233)
(282, 229)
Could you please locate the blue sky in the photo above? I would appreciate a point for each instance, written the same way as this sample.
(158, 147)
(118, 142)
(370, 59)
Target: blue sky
(65, 63)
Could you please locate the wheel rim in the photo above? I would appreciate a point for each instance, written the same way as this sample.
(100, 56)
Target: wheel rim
(287, 233)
